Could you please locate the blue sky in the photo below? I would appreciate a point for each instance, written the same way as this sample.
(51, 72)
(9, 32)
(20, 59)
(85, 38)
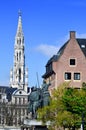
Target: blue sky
(46, 26)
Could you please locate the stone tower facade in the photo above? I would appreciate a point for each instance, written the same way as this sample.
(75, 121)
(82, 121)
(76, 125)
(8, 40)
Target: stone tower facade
(19, 74)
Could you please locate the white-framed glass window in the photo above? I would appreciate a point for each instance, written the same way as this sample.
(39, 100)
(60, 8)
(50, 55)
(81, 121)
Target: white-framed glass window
(67, 76)
(76, 76)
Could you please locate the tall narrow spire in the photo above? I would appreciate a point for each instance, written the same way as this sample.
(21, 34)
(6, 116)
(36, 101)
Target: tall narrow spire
(19, 28)
(19, 74)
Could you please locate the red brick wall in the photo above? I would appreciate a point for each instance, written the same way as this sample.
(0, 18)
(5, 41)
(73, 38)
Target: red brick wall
(62, 65)
(72, 50)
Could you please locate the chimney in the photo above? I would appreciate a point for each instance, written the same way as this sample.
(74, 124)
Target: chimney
(72, 34)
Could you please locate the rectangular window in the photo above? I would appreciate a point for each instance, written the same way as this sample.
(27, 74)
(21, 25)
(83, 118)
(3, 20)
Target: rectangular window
(0, 96)
(15, 100)
(19, 101)
(67, 76)
(23, 111)
(76, 76)
(23, 100)
(0, 119)
(72, 61)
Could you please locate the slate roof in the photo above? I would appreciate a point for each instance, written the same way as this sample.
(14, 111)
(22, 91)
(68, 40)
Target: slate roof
(8, 91)
(53, 58)
(56, 57)
(80, 41)
(4, 88)
(82, 44)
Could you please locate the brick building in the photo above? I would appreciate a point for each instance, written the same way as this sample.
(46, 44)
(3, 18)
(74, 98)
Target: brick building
(69, 64)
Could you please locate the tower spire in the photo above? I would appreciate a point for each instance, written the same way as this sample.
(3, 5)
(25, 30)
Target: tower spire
(19, 74)
(19, 28)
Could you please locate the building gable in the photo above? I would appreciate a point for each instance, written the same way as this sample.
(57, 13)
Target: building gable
(20, 92)
(69, 64)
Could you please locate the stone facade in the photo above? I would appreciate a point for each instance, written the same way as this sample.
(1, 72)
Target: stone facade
(14, 98)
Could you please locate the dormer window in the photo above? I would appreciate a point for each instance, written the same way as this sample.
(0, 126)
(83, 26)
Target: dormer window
(82, 46)
(72, 62)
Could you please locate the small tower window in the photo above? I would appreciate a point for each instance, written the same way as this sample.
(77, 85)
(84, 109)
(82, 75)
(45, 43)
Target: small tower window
(19, 55)
(17, 41)
(20, 41)
(19, 75)
(23, 40)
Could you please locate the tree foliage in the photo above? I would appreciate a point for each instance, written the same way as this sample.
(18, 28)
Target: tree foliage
(66, 107)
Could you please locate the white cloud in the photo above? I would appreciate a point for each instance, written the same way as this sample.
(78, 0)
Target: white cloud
(48, 50)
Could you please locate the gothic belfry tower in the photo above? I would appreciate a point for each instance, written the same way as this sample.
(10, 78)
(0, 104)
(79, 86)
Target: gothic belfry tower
(19, 74)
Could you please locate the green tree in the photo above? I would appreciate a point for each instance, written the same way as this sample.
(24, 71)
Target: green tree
(75, 102)
(52, 112)
(66, 107)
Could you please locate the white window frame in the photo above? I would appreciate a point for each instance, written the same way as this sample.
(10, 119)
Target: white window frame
(77, 76)
(67, 75)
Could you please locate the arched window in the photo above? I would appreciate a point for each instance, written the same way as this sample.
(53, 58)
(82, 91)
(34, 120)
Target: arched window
(19, 55)
(19, 41)
(23, 40)
(19, 75)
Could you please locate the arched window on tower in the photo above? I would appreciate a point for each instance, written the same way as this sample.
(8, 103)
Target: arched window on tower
(23, 40)
(19, 74)
(20, 41)
(17, 41)
(19, 55)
